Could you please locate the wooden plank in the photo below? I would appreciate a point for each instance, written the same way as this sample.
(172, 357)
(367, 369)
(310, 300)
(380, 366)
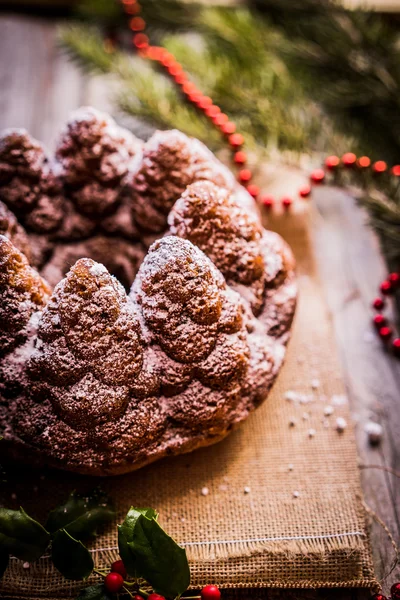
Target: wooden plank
(39, 85)
(350, 269)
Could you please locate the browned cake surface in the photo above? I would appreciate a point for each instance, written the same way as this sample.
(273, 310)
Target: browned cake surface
(101, 382)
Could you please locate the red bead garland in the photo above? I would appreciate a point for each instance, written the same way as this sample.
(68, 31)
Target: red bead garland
(236, 141)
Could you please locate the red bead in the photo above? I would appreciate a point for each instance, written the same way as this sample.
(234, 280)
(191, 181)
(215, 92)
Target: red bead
(220, 119)
(210, 592)
(175, 70)
(378, 303)
(317, 176)
(204, 102)
(385, 333)
(394, 278)
(386, 287)
(180, 79)
(240, 157)
(305, 191)
(141, 40)
(364, 162)
(236, 140)
(193, 97)
(379, 321)
(253, 190)
(396, 170)
(396, 346)
(378, 597)
(287, 202)
(213, 110)
(268, 201)
(245, 175)
(155, 597)
(395, 591)
(349, 159)
(119, 567)
(113, 582)
(228, 127)
(379, 166)
(189, 88)
(331, 162)
(137, 24)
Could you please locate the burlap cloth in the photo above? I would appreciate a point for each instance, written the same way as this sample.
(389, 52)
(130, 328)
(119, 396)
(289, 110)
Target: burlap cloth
(265, 537)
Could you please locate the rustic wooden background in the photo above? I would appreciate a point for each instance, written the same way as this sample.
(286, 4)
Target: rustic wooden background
(38, 89)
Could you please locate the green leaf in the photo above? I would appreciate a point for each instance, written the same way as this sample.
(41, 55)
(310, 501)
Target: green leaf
(125, 535)
(70, 556)
(94, 592)
(81, 516)
(159, 559)
(21, 535)
(3, 561)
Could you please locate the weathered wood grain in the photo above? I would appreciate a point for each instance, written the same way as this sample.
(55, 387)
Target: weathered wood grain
(39, 87)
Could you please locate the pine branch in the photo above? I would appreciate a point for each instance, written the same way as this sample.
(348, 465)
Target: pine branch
(348, 61)
(142, 92)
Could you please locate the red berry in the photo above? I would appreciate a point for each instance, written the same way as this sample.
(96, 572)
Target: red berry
(364, 162)
(395, 591)
(332, 162)
(317, 176)
(210, 592)
(137, 597)
(386, 287)
(155, 597)
(228, 127)
(113, 582)
(119, 567)
(245, 175)
(379, 321)
(378, 303)
(236, 140)
(385, 333)
(268, 201)
(379, 166)
(240, 157)
(394, 278)
(253, 190)
(396, 170)
(287, 202)
(305, 191)
(349, 159)
(378, 597)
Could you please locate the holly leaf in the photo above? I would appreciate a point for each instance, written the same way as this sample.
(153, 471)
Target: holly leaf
(4, 558)
(159, 559)
(125, 535)
(80, 515)
(22, 536)
(70, 556)
(94, 592)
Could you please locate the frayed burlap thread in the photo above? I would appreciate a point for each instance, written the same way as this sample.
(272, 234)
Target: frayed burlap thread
(250, 530)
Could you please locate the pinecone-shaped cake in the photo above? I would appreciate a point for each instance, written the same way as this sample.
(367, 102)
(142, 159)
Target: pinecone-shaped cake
(101, 381)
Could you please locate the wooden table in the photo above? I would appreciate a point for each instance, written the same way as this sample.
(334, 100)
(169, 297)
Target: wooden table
(39, 87)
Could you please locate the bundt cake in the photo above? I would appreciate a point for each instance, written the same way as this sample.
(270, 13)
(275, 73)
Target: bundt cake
(144, 310)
